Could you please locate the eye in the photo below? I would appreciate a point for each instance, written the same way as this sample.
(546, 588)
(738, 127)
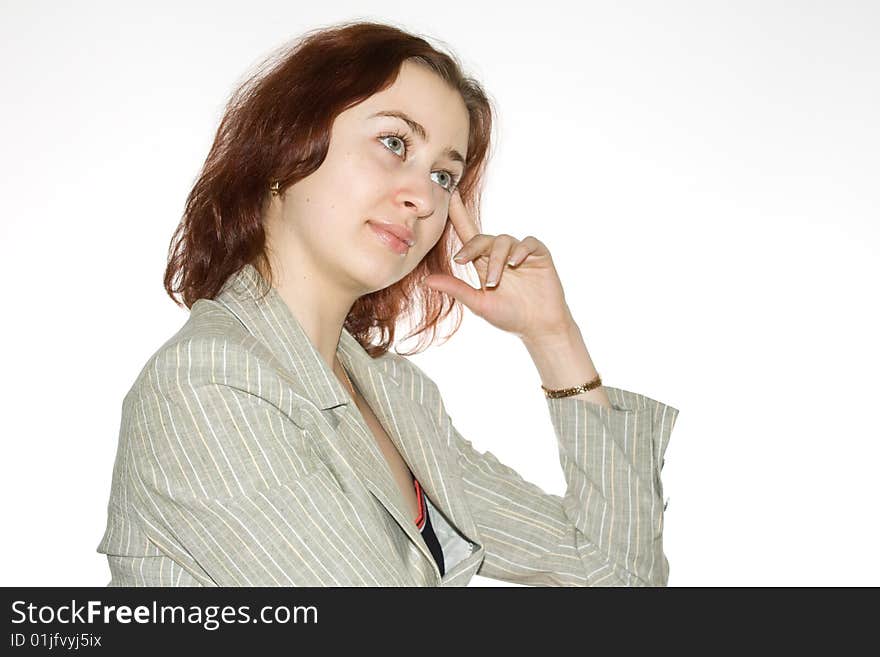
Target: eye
(403, 140)
(450, 185)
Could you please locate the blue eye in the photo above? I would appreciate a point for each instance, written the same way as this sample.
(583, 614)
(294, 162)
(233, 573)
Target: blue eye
(407, 144)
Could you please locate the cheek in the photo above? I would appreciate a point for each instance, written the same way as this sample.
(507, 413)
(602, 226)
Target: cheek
(440, 230)
(365, 178)
(372, 161)
(433, 236)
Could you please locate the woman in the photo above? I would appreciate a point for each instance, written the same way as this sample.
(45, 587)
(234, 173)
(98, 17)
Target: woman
(276, 440)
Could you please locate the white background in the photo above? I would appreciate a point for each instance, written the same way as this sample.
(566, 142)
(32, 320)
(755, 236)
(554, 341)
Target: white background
(704, 173)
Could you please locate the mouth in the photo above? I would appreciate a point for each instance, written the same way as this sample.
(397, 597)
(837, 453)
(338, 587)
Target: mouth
(391, 241)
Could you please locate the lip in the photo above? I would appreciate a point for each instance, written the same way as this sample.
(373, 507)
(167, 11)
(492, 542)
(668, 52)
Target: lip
(399, 231)
(391, 240)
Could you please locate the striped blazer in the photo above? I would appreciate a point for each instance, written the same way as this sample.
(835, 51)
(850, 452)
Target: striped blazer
(242, 461)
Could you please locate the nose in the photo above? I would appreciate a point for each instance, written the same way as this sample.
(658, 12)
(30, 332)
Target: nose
(416, 194)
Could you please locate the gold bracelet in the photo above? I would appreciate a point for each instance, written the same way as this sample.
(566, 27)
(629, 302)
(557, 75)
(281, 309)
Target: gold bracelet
(568, 392)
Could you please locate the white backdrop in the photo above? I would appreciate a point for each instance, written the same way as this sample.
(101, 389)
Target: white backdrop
(704, 173)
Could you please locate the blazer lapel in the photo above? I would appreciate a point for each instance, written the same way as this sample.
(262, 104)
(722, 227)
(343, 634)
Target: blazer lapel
(406, 421)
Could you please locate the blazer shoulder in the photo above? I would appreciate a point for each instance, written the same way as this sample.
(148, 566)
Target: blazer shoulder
(211, 346)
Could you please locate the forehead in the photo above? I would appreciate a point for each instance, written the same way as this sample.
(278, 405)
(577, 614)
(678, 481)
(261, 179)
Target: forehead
(425, 97)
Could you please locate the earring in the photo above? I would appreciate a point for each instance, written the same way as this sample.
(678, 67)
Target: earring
(274, 188)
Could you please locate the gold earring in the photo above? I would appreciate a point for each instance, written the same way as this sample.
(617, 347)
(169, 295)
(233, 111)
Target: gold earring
(275, 188)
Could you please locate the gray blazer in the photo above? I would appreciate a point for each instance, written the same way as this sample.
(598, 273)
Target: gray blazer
(242, 461)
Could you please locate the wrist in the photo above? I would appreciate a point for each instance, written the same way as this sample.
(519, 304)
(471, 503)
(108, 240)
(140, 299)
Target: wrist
(567, 335)
(562, 361)
(562, 358)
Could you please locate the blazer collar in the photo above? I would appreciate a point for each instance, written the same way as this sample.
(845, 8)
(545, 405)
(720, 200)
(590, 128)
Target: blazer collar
(269, 319)
(406, 420)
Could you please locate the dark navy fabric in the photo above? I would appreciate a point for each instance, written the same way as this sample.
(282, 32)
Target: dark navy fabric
(424, 523)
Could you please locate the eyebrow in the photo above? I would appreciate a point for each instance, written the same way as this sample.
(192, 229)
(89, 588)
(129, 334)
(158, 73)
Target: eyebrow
(419, 129)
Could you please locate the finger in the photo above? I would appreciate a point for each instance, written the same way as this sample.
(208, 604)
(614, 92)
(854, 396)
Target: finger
(500, 250)
(464, 225)
(522, 250)
(454, 287)
(475, 247)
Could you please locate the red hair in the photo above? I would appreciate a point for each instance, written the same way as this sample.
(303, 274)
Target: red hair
(277, 127)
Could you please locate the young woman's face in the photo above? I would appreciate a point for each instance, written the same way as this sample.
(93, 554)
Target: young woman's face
(371, 176)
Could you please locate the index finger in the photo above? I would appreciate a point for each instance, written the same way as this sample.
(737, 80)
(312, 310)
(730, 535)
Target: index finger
(461, 219)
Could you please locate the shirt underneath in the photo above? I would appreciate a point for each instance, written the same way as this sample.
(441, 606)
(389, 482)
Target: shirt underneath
(423, 522)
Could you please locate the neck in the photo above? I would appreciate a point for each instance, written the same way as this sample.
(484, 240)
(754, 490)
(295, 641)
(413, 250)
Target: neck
(320, 308)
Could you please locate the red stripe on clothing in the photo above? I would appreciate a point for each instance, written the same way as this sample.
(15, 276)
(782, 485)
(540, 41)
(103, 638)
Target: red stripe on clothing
(420, 521)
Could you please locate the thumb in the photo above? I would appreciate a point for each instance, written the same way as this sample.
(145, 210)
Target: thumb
(455, 288)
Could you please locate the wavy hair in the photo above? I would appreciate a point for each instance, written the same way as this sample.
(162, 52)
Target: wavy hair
(276, 126)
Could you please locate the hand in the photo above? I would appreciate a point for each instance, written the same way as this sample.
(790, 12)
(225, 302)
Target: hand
(526, 300)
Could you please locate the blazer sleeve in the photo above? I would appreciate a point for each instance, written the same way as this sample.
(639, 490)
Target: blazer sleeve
(223, 481)
(606, 530)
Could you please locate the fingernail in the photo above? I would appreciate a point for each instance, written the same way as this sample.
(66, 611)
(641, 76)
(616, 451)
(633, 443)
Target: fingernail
(491, 283)
(459, 258)
(510, 263)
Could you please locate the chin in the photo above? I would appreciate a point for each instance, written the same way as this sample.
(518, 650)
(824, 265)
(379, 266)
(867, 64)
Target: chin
(372, 277)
